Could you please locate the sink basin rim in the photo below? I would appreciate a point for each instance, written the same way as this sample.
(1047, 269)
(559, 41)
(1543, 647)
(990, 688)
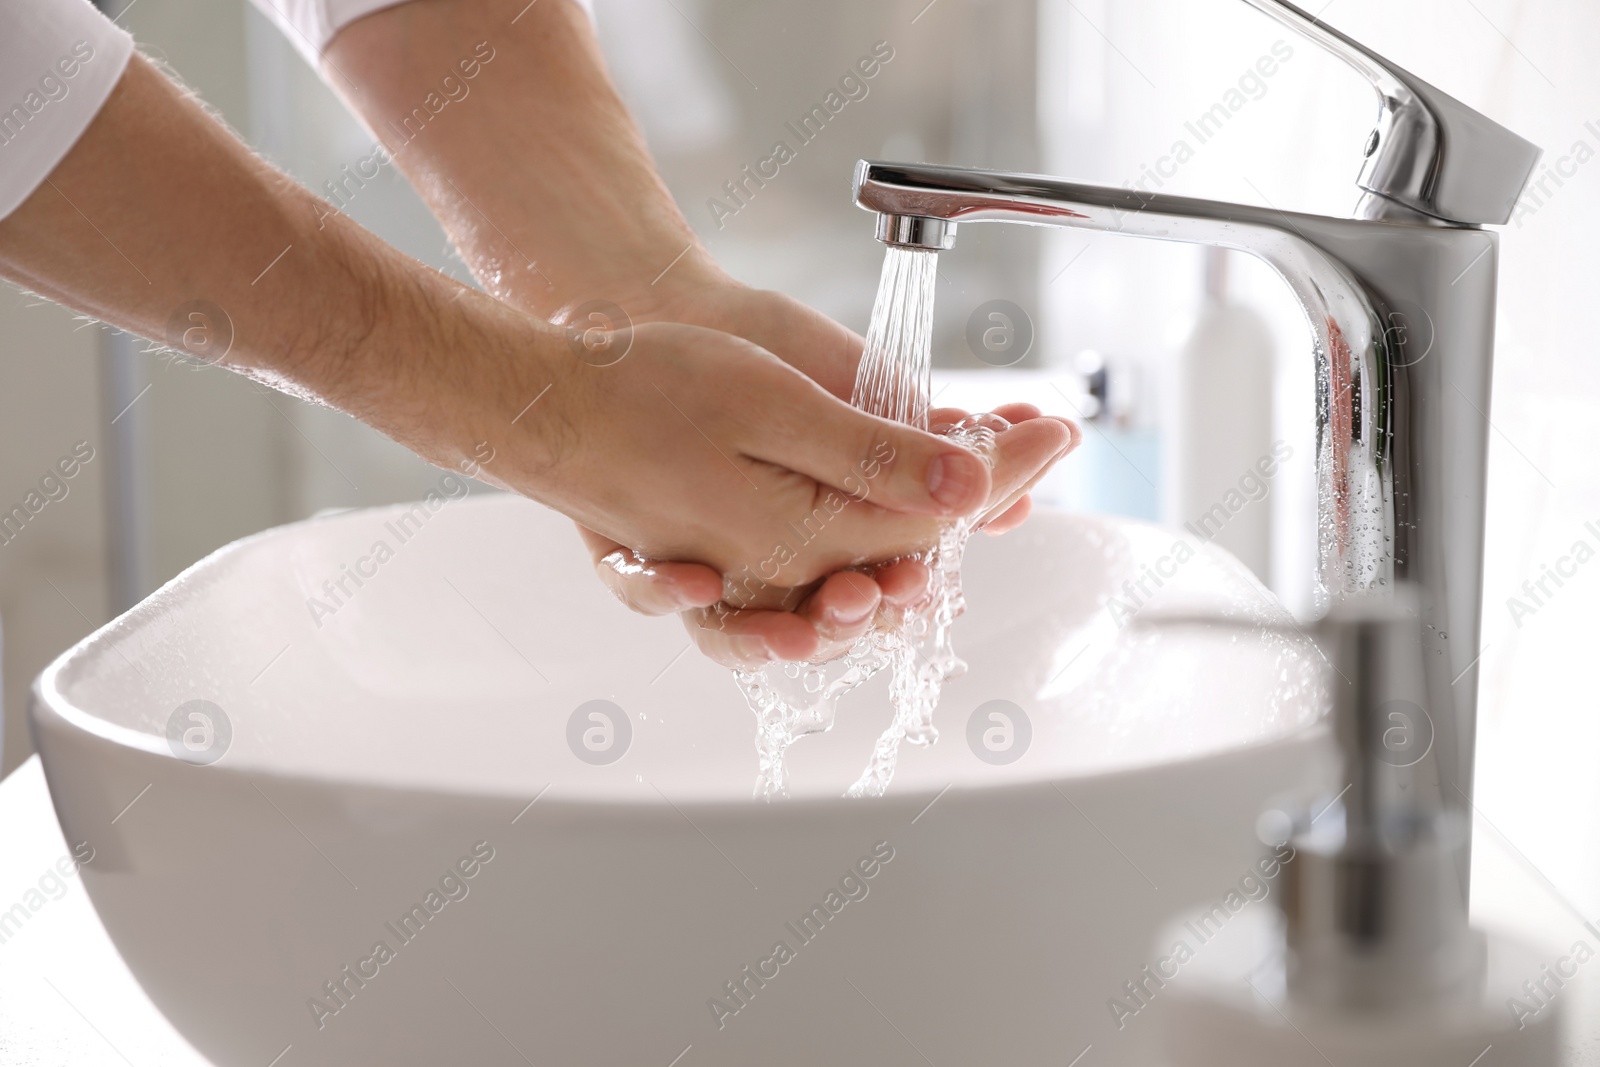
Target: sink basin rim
(48, 696)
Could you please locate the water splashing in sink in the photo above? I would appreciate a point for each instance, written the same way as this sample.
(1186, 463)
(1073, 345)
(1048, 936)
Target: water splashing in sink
(791, 700)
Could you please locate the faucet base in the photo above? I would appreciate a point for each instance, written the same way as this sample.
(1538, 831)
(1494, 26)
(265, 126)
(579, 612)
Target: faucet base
(1231, 1008)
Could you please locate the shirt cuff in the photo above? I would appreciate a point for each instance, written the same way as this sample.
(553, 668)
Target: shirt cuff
(59, 61)
(311, 24)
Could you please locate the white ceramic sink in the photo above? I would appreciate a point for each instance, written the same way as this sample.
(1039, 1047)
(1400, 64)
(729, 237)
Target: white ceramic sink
(409, 732)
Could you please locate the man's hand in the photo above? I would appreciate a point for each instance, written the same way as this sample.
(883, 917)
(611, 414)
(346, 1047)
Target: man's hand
(699, 446)
(827, 622)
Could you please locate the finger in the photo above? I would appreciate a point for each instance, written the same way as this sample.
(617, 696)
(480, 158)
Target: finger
(842, 609)
(900, 468)
(750, 639)
(941, 420)
(1010, 518)
(1015, 413)
(1024, 454)
(651, 587)
(850, 533)
(1021, 458)
(903, 582)
(825, 626)
(1015, 509)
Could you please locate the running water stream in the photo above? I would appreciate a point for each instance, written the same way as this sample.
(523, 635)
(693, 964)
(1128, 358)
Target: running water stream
(791, 700)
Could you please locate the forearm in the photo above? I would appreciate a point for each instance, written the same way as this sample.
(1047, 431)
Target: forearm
(534, 165)
(158, 207)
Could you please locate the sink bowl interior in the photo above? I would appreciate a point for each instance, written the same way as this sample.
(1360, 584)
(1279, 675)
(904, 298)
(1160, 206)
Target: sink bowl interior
(445, 646)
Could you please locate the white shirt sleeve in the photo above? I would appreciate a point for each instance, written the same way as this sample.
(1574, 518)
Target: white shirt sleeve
(311, 24)
(59, 61)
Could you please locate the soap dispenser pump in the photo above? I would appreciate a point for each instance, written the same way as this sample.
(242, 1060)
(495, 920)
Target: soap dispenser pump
(1369, 957)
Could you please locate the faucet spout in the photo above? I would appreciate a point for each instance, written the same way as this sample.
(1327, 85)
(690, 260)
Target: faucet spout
(1355, 476)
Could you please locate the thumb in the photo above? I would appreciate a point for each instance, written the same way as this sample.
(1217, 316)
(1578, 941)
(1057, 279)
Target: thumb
(896, 466)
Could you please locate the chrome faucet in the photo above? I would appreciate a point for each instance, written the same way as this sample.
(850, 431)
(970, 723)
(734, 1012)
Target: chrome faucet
(1400, 300)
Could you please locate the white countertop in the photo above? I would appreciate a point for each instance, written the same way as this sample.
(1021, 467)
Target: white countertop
(68, 1000)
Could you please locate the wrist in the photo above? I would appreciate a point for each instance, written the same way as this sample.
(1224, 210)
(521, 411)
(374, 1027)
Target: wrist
(673, 279)
(695, 292)
(508, 373)
(451, 373)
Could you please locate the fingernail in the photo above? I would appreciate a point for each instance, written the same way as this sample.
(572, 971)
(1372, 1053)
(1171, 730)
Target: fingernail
(854, 614)
(752, 648)
(954, 479)
(683, 601)
(1074, 436)
(910, 597)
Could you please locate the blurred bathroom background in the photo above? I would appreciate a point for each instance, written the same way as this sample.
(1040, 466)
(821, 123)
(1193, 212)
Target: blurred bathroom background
(1197, 97)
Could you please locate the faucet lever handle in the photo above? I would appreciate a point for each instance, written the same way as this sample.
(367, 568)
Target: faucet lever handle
(1429, 151)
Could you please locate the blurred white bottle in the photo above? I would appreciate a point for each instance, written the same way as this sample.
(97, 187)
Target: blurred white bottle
(1221, 448)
